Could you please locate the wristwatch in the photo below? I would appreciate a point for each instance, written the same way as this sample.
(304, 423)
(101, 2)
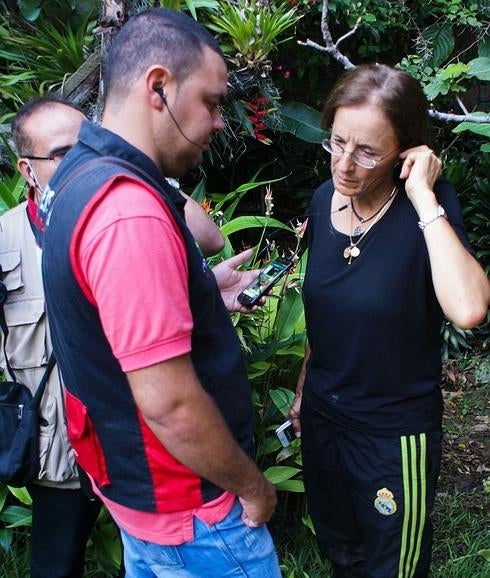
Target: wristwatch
(431, 217)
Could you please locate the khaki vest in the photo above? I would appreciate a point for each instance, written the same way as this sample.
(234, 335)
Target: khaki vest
(29, 344)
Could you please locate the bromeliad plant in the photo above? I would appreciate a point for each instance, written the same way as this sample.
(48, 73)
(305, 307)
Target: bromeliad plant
(250, 30)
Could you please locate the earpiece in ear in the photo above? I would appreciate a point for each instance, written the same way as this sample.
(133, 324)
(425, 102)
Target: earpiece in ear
(161, 94)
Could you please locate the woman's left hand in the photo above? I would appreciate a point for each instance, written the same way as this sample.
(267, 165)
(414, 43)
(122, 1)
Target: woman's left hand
(420, 170)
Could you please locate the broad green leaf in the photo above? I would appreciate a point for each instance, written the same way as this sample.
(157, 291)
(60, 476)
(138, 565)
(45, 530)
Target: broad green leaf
(282, 398)
(454, 71)
(250, 222)
(290, 316)
(270, 445)
(278, 474)
(22, 495)
(485, 554)
(16, 516)
(199, 191)
(441, 39)
(482, 129)
(480, 67)
(296, 486)
(253, 185)
(302, 121)
(294, 350)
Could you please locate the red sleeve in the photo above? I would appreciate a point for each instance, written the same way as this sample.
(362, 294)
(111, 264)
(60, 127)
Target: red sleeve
(132, 259)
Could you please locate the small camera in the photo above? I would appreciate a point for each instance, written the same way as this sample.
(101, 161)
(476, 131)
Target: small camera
(285, 433)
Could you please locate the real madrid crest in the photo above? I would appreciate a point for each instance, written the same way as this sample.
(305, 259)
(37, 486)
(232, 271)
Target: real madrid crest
(384, 503)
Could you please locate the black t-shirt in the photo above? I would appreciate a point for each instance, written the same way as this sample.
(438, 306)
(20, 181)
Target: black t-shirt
(374, 325)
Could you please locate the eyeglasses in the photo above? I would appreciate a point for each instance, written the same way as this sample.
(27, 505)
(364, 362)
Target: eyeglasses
(360, 158)
(56, 157)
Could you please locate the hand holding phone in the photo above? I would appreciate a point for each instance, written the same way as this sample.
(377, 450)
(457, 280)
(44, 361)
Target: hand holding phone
(266, 279)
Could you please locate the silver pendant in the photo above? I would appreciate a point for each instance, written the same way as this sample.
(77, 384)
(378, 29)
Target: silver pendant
(351, 252)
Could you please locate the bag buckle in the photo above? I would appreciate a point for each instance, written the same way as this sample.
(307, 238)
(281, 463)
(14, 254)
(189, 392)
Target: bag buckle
(21, 411)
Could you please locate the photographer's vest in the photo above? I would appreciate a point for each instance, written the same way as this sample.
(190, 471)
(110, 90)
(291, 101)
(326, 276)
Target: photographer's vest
(113, 443)
(29, 345)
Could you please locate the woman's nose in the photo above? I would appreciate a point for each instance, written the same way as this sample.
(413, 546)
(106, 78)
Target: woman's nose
(345, 161)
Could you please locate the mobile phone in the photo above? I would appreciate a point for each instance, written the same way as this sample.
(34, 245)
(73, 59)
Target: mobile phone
(266, 279)
(285, 433)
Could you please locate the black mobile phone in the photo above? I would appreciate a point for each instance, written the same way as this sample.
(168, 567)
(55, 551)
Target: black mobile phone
(266, 279)
(285, 433)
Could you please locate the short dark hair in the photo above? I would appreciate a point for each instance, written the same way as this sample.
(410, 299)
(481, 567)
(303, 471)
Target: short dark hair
(155, 36)
(397, 94)
(22, 140)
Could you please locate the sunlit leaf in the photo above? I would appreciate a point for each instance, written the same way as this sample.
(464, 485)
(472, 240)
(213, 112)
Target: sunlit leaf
(480, 67)
(282, 398)
(296, 486)
(278, 474)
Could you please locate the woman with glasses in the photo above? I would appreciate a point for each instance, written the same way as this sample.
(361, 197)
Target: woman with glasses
(388, 259)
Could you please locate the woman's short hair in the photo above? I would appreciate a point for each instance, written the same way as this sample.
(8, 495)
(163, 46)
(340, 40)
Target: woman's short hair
(395, 92)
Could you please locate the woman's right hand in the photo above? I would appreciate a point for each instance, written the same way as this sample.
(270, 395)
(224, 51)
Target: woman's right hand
(294, 412)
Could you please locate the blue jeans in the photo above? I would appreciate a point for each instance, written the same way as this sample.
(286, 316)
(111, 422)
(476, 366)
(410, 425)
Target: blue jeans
(227, 549)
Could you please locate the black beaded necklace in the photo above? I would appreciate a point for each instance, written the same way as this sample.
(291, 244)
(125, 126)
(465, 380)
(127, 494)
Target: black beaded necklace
(362, 219)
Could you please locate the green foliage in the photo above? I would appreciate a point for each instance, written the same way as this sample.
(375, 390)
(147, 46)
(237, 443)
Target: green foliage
(36, 60)
(191, 5)
(470, 175)
(12, 516)
(11, 191)
(302, 121)
(250, 30)
(67, 11)
(104, 551)
(459, 542)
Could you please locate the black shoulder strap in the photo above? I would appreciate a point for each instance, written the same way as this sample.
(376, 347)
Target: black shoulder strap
(3, 324)
(36, 400)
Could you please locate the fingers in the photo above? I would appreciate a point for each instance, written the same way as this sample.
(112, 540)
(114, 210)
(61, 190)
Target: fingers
(294, 415)
(258, 510)
(421, 168)
(240, 258)
(296, 425)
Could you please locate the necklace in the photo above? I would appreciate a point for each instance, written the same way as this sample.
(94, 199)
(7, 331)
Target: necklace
(362, 219)
(353, 251)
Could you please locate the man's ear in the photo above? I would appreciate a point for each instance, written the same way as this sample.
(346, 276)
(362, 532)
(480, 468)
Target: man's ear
(157, 79)
(25, 170)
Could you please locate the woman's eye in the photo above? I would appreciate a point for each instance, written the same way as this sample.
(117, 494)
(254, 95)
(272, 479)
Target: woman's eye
(366, 155)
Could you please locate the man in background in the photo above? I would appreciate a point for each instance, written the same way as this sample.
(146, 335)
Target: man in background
(62, 515)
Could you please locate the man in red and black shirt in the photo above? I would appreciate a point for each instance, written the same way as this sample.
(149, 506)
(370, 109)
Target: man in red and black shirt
(159, 411)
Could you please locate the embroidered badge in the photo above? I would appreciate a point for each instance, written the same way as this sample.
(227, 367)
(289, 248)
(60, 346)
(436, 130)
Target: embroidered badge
(384, 503)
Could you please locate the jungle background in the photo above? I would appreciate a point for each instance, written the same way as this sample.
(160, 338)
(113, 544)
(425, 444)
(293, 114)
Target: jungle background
(256, 183)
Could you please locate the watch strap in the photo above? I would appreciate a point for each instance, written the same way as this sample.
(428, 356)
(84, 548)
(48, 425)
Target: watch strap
(431, 217)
